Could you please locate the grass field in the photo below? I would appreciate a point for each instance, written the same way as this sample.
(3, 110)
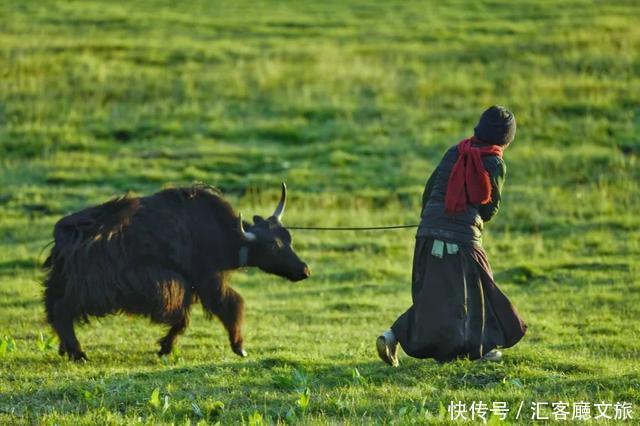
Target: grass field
(352, 103)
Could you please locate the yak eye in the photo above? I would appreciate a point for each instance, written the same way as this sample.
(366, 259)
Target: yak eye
(276, 245)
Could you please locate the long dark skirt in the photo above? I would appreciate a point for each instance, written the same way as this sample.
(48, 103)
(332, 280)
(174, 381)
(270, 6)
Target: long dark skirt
(458, 310)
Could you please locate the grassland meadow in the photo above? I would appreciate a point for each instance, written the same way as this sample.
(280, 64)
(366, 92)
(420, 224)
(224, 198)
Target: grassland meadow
(352, 103)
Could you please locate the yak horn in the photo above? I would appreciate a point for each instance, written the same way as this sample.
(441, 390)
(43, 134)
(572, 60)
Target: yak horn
(283, 202)
(247, 236)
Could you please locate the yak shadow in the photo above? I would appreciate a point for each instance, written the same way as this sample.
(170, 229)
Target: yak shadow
(271, 382)
(274, 381)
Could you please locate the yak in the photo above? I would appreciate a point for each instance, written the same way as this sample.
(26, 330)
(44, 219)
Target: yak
(156, 256)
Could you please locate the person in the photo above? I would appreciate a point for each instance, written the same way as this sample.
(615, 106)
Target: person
(458, 310)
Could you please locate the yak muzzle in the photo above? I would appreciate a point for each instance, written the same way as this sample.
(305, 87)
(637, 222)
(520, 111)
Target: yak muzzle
(306, 273)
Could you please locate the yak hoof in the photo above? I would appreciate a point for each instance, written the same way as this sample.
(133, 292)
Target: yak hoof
(78, 356)
(62, 349)
(240, 352)
(164, 352)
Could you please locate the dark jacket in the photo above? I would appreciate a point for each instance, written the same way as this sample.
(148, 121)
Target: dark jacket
(462, 228)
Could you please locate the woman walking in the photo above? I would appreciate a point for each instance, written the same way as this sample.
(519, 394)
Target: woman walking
(458, 310)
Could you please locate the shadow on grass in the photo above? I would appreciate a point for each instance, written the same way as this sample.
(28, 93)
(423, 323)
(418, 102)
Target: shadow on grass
(274, 384)
(237, 383)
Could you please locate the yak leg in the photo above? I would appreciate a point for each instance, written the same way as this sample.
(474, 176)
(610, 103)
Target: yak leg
(175, 298)
(228, 306)
(177, 328)
(231, 313)
(63, 326)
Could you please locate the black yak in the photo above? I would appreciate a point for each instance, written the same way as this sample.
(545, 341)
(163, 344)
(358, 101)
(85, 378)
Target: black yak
(156, 256)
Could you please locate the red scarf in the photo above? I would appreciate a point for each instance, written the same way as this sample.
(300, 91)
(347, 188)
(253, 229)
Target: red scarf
(469, 181)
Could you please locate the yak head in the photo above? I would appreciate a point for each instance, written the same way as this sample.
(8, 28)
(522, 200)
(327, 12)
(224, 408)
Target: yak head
(269, 245)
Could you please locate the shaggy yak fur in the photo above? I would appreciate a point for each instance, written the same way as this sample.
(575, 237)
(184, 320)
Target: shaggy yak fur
(157, 255)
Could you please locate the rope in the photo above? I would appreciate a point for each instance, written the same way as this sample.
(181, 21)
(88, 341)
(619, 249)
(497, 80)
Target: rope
(367, 228)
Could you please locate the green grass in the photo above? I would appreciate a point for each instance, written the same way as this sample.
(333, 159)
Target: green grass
(353, 104)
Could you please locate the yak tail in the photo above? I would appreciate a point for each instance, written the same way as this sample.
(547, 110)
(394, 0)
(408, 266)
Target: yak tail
(54, 284)
(47, 263)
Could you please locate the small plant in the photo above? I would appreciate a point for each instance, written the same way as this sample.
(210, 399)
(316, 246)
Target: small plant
(7, 344)
(407, 411)
(302, 404)
(256, 419)
(154, 400)
(300, 378)
(303, 400)
(203, 410)
(357, 378)
(157, 403)
(43, 344)
(197, 411)
(298, 381)
(419, 411)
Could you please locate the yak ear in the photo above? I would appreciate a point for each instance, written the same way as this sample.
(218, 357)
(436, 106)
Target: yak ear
(257, 219)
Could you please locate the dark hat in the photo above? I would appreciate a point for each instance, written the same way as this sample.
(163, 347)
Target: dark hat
(497, 126)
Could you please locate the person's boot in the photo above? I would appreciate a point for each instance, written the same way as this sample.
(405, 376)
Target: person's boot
(387, 347)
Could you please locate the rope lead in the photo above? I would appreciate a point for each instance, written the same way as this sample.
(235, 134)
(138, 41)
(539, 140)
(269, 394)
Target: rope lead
(368, 228)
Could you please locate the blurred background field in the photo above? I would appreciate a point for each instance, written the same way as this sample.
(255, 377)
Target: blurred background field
(353, 104)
